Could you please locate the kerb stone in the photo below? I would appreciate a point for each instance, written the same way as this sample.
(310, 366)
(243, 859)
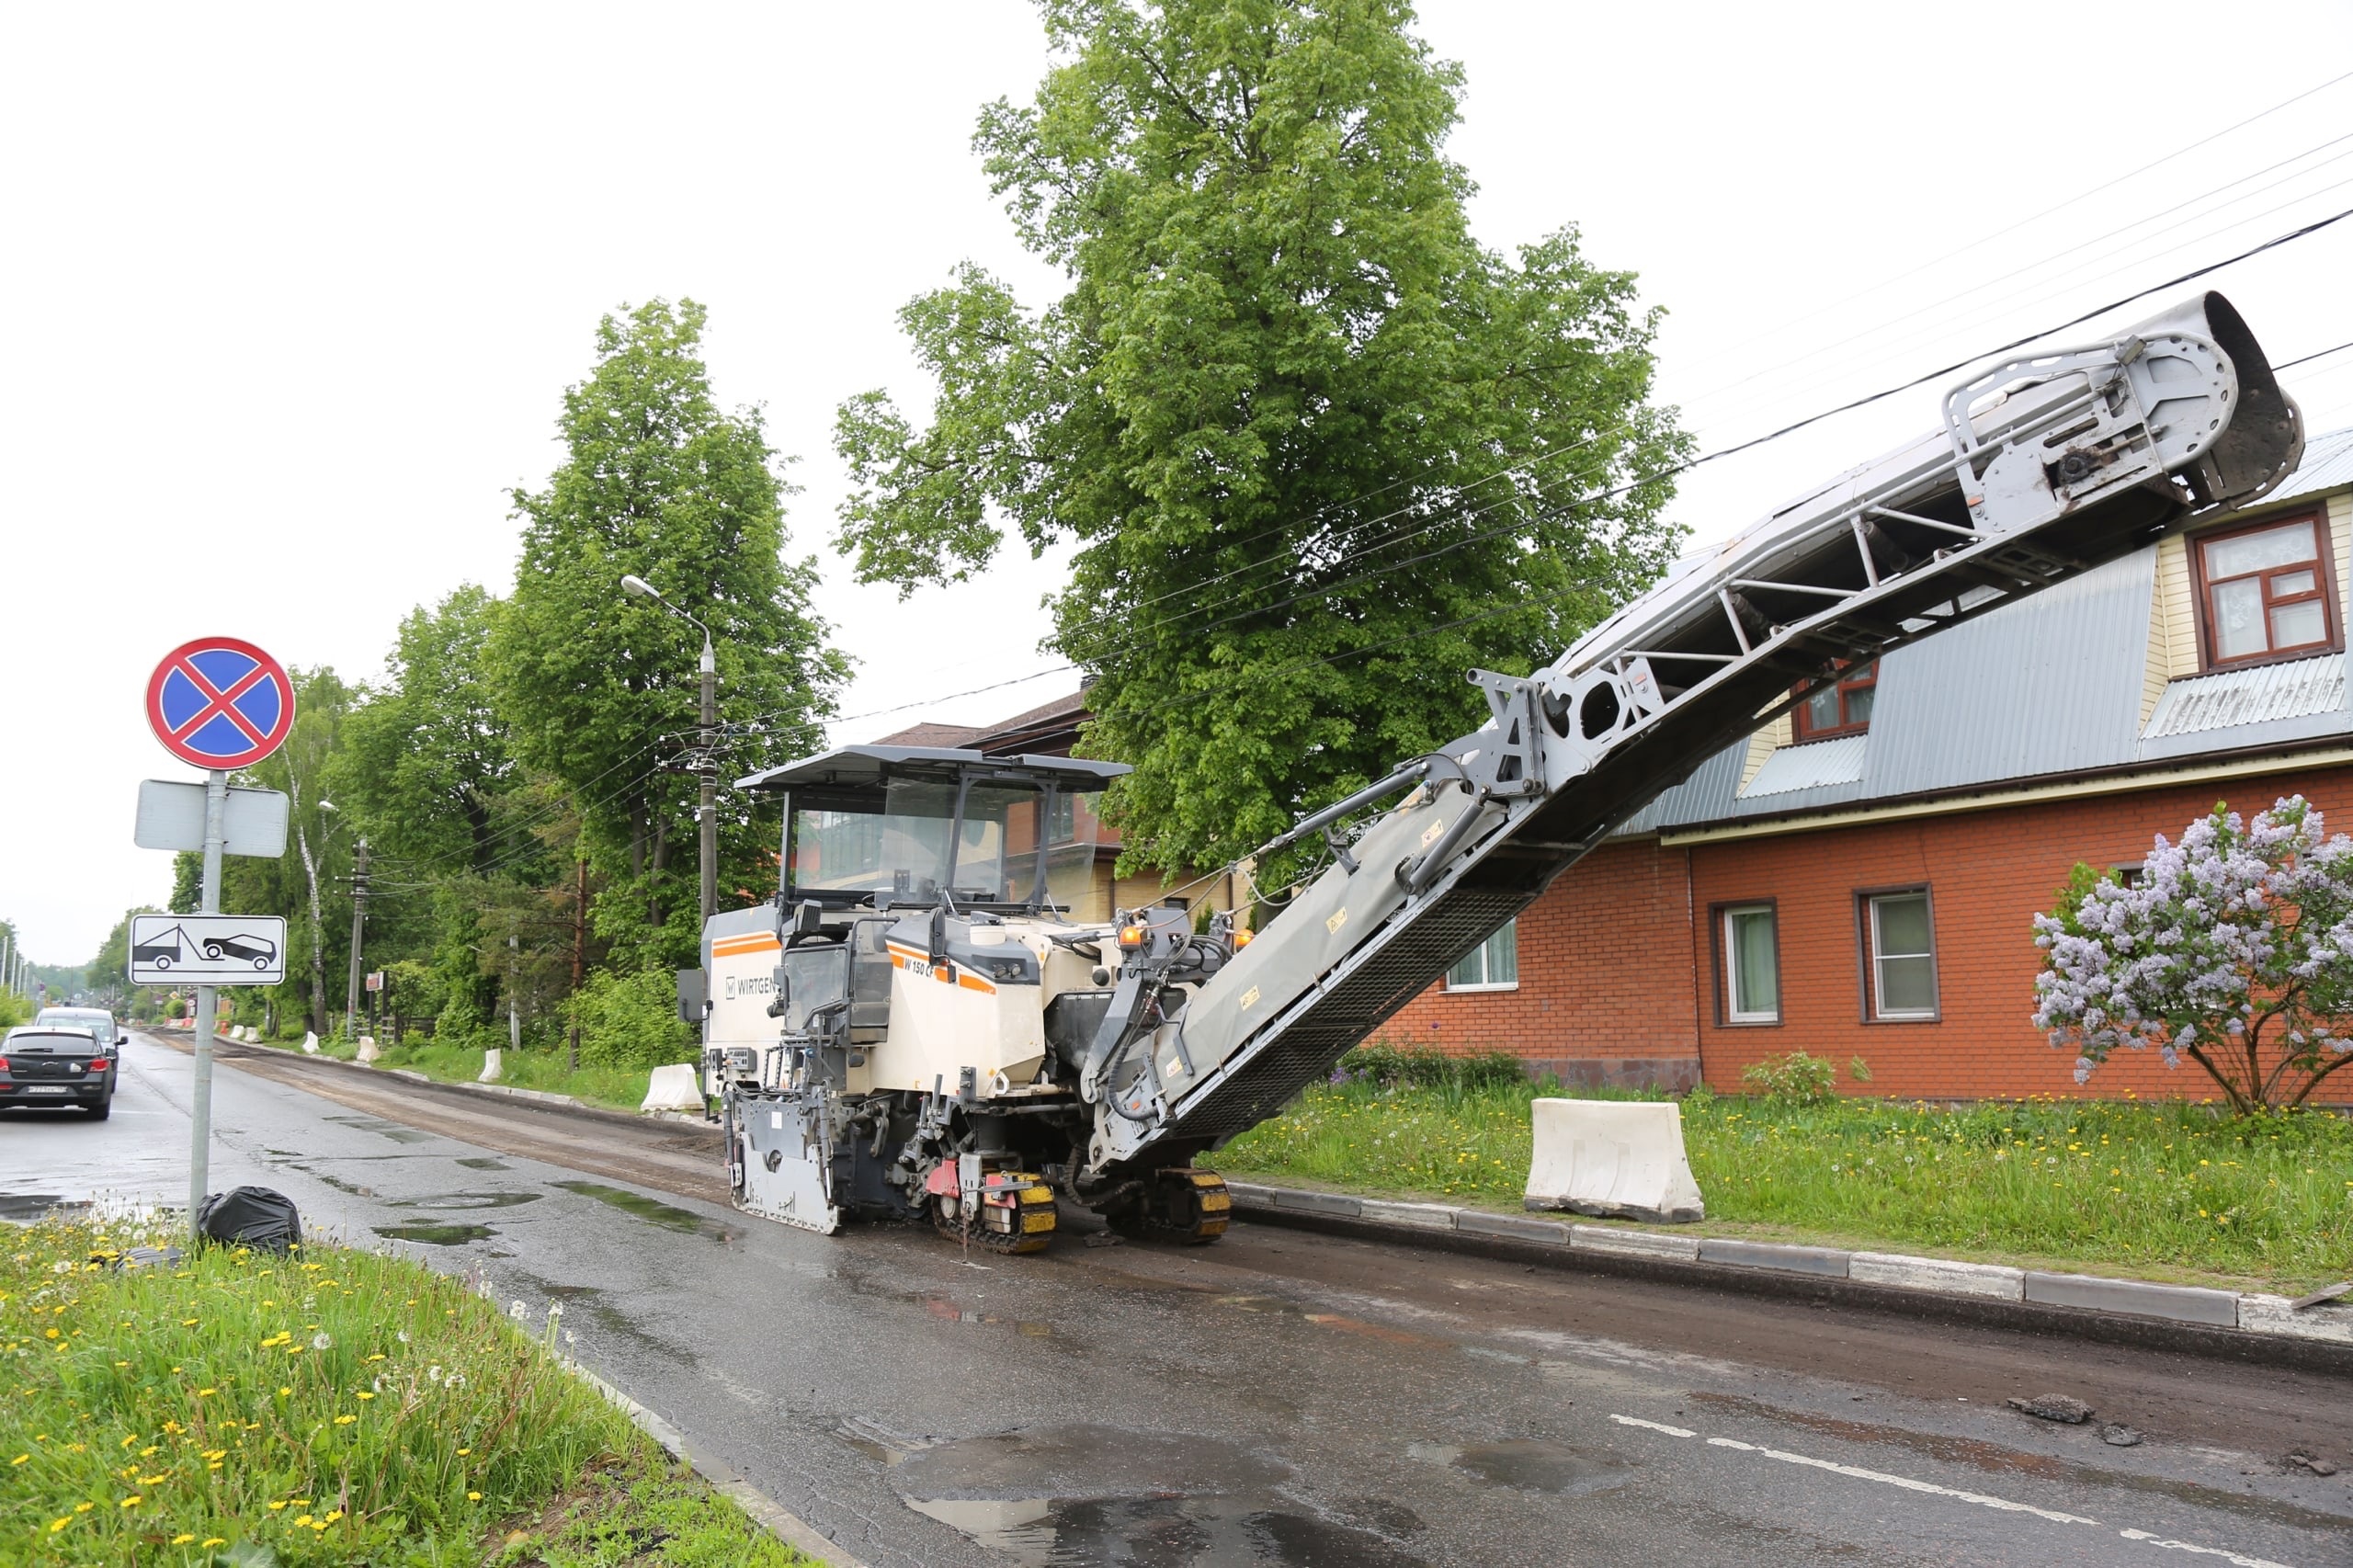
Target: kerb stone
(2182, 1303)
(1948, 1276)
(1771, 1255)
(1633, 1243)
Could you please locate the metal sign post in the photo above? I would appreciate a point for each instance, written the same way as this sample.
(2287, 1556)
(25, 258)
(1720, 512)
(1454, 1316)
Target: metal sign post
(216, 834)
(218, 703)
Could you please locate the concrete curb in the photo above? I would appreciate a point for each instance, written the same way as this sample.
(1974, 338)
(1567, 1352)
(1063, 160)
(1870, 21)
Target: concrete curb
(2227, 1321)
(770, 1515)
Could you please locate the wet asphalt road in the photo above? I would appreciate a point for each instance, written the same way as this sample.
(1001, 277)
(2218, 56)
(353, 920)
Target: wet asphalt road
(1281, 1398)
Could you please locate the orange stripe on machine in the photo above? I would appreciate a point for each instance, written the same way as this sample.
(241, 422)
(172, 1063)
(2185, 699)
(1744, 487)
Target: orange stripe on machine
(919, 965)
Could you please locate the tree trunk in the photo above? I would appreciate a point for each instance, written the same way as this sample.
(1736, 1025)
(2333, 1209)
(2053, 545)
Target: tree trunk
(318, 959)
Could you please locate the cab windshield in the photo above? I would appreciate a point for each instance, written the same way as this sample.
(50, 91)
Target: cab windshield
(907, 842)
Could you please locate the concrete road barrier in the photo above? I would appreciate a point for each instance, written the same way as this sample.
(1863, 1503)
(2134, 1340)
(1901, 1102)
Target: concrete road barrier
(673, 1088)
(1614, 1159)
(367, 1051)
(310, 1043)
(492, 1066)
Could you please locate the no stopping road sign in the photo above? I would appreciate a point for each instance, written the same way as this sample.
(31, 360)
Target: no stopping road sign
(220, 703)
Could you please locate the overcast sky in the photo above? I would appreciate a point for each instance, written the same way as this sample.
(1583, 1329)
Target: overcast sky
(298, 289)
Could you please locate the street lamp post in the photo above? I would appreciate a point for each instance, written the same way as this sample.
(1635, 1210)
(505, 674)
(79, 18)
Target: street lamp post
(707, 762)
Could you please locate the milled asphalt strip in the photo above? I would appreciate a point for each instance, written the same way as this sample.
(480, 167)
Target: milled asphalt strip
(1981, 1499)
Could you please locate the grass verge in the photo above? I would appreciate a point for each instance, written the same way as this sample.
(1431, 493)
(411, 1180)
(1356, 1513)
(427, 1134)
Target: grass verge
(332, 1406)
(2167, 1190)
(615, 1089)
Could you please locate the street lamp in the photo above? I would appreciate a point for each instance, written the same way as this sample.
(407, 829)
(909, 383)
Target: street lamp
(707, 765)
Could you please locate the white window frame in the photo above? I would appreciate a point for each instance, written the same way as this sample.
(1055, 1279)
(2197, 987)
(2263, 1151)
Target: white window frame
(1732, 1015)
(1509, 929)
(1875, 958)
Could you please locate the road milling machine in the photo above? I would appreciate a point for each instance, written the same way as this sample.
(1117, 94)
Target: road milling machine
(916, 1028)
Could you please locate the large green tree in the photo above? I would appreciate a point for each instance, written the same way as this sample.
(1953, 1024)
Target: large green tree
(599, 691)
(1319, 450)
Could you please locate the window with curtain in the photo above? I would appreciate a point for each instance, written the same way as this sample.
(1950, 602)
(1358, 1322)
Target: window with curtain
(1752, 965)
(2265, 592)
(1902, 973)
(1493, 965)
(1840, 707)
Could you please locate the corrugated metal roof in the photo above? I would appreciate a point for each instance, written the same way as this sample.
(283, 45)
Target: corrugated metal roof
(2327, 465)
(2050, 686)
(2255, 695)
(1811, 765)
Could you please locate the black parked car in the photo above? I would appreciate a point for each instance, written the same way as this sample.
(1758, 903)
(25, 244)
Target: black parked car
(57, 1064)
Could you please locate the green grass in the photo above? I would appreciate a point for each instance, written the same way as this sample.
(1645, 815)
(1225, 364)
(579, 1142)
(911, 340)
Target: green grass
(333, 1406)
(2167, 1190)
(533, 1067)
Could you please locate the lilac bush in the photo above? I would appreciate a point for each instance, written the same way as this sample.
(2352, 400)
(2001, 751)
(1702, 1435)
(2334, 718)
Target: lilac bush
(2233, 949)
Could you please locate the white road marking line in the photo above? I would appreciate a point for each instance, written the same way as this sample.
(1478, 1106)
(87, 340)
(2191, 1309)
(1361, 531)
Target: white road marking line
(2233, 1557)
(1906, 1482)
(2237, 1559)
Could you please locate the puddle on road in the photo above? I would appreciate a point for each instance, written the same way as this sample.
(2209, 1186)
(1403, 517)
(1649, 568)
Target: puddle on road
(1085, 1494)
(946, 1311)
(437, 1235)
(668, 1216)
(470, 1201)
(27, 1207)
(485, 1163)
(1530, 1464)
(392, 1130)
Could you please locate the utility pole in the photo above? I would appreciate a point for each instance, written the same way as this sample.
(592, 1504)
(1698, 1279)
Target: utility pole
(514, 1014)
(359, 925)
(707, 813)
(579, 948)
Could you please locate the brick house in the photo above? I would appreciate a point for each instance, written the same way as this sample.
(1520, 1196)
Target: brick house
(1858, 880)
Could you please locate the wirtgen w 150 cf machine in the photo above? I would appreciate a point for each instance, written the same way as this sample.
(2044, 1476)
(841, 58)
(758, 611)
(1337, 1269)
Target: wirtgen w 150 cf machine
(915, 1029)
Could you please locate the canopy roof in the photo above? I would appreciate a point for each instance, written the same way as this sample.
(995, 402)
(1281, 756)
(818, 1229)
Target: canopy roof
(870, 764)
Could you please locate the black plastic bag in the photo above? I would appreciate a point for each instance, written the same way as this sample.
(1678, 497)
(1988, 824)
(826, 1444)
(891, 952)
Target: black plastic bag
(250, 1216)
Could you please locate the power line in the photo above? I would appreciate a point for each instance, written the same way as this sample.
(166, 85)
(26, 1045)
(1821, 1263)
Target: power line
(1845, 301)
(2310, 357)
(1689, 465)
(1991, 306)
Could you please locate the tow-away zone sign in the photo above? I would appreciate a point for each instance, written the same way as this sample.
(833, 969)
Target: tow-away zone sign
(207, 949)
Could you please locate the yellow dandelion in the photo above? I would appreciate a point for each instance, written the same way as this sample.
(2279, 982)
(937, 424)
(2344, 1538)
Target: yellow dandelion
(56, 1525)
(182, 1540)
(20, 1459)
(300, 1522)
(473, 1496)
(83, 1507)
(213, 1540)
(463, 1452)
(274, 1506)
(345, 1420)
(131, 1501)
(203, 1392)
(365, 1394)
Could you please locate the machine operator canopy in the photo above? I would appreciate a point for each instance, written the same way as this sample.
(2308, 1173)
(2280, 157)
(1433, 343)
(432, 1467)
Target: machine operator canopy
(900, 825)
